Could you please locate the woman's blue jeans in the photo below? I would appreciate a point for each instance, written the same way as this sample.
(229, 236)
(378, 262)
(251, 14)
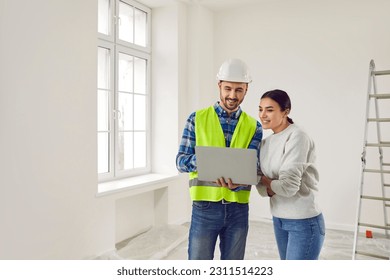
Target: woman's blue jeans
(211, 220)
(299, 239)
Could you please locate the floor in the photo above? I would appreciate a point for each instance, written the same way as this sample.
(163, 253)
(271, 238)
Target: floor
(170, 243)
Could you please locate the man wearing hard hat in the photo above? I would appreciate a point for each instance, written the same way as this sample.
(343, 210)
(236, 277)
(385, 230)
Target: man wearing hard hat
(216, 212)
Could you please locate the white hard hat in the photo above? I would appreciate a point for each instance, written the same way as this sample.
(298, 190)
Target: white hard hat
(234, 70)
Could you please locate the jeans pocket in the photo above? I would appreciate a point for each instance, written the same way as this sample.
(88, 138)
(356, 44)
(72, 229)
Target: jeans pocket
(321, 224)
(201, 205)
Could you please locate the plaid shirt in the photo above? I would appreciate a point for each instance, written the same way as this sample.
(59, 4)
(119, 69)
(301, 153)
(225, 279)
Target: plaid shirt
(186, 159)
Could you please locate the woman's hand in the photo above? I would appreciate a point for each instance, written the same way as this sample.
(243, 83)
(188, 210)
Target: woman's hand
(267, 182)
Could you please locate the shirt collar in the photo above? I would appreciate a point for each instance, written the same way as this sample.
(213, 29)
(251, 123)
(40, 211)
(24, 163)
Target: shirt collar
(222, 113)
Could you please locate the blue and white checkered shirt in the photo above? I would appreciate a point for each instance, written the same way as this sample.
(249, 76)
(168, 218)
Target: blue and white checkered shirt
(186, 159)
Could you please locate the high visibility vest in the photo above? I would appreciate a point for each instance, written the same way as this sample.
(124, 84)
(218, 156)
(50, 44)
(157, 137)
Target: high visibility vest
(209, 132)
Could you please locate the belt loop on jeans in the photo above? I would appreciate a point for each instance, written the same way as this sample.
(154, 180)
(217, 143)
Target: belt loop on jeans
(223, 201)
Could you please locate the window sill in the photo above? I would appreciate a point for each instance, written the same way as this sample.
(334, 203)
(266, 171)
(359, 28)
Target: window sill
(135, 185)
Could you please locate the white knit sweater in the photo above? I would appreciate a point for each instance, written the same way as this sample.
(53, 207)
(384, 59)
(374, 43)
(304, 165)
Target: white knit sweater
(288, 158)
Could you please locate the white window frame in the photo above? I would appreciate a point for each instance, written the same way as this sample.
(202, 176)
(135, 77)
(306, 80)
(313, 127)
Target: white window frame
(115, 46)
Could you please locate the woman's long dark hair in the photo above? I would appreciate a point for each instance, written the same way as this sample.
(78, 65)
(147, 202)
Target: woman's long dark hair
(281, 97)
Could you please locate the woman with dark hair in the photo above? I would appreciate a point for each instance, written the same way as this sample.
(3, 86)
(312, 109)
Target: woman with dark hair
(290, 178)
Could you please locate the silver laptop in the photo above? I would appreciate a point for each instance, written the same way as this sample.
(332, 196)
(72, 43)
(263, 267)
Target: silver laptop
(238, 164)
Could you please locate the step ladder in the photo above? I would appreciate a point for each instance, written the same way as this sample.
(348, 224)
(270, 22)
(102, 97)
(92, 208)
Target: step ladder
(379, 182)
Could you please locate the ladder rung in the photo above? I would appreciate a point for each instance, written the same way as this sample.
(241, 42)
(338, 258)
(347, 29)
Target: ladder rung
(386, 164)
(374, 226)
(381, 72)
(375, 198)
(381, 144)
(386, 185)
(380, 96)
(377, 171)
(371, 255)
(378, 119)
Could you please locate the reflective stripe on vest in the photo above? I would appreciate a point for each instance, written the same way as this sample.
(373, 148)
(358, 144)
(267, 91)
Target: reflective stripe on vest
(209, 132)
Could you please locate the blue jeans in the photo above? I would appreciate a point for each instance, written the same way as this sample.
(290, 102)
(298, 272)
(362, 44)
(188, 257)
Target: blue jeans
(299, 239)
(211, 220)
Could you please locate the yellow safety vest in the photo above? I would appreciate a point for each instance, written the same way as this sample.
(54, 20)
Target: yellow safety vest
(209, 132)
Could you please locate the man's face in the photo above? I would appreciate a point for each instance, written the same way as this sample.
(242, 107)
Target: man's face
(231, 94)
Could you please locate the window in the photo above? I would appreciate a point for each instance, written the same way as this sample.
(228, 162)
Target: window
(123, 79)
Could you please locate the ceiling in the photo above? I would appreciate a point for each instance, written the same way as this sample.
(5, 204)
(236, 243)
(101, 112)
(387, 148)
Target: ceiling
(214, 5)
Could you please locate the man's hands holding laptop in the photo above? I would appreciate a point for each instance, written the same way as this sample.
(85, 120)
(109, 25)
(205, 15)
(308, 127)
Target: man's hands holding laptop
(229, 184)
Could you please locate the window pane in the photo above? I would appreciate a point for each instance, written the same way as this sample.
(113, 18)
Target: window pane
(139, 149)
(125, 107)
(125, 150)
(104, 16)
(125, 72)
(103, 68)
(139, 75)
(103, 110)
(139, 112)
(126, 20)
(140, 27)
(123, 85)
(103, 155)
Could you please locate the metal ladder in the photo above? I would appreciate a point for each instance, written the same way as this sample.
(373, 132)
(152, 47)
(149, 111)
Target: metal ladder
(373, 99)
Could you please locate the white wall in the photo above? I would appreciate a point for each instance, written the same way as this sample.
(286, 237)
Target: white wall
(169, 86)
(201, 72)
(319, 52)
(48, 139)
